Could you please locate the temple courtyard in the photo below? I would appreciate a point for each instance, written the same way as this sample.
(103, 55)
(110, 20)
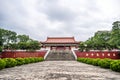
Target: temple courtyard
(58, 70)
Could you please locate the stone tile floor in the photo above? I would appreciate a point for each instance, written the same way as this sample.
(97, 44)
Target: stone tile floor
(58, 70)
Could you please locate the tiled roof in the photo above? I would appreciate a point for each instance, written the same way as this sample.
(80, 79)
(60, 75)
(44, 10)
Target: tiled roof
(60, 40)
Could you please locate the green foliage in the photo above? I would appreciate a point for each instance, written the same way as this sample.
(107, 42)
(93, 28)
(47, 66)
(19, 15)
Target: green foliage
(103, 39)
(82, 47)
(115, 65)
(10, 40)
(0, 49)
(32, 60)
(20, 61)
(27, 60)
(23, 38)
(22, 45)
(2, 64)
(104, 63)
(40, 59)
(34, 45)
(10, 62)
(89, 61)
(95, 61)
(30, 46)
(115, 35)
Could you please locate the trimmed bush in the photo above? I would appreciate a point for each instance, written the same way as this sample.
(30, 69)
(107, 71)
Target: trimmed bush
(104, 63)
(36, 59)
(115, 65)
(89, 61)
(95, 61)
(20, 61)
(40, 59)
(81, 59)
(32, 60)
(10, 62)
(27, 60)
(2, 64)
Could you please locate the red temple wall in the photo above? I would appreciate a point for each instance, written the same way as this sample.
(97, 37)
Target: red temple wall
(22, 54)
(98, 54)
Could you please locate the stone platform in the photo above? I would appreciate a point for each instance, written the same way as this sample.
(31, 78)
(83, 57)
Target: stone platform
(58, 70)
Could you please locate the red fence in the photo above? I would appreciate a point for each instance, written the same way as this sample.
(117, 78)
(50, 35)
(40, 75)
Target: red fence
(22, 54)
(99, 54)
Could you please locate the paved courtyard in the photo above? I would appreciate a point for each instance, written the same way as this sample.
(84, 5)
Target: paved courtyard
(58, 70)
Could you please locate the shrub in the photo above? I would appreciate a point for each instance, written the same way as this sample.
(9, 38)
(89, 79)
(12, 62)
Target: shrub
(79, 59)
(32, 60)
(10, 62)
(115, 65)
(2, 64)
(95, 62)
(36, 59)
(104, 63)
(27, 60)
(89, 61)
(20, 61)
(40, 59)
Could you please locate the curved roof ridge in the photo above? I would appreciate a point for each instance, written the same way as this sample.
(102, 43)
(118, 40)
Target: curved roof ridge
(61, 37)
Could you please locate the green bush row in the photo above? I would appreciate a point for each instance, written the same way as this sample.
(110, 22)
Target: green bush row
(11, 62)
(104, 63)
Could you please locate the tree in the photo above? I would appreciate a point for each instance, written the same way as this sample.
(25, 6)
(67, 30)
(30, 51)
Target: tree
(1, 37)
(82, 46)
(98, 41)
(0, 49)
(115, 35)
(90, 43)
(10, 40)
(101, 38)
(34, 45)
(22, 45)
(30, 46)
(23, 38)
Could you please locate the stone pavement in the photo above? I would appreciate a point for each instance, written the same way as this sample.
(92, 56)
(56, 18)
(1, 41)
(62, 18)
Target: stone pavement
(58, 70)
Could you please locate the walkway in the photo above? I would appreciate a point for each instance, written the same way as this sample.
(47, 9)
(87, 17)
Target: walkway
(58, 70)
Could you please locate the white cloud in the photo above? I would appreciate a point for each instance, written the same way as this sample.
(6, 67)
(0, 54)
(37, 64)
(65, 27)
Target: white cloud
(42, 18)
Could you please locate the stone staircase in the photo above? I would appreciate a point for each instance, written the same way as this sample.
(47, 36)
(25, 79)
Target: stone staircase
(60, 56)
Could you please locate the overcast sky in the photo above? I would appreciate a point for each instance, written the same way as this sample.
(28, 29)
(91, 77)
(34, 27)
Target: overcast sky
(42, 18)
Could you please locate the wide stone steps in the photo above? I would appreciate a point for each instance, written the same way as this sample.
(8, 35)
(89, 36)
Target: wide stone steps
(60, 55)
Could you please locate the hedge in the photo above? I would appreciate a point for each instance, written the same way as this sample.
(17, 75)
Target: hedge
(11, 62)
(95, 62)
(103, 63)
(115, 65)
(20, 61)
(2, 64)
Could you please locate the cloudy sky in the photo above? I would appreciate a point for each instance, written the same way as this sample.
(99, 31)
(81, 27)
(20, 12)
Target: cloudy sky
(42, 18)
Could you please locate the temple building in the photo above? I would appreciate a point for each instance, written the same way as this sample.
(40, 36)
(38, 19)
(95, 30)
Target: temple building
(60, 43)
